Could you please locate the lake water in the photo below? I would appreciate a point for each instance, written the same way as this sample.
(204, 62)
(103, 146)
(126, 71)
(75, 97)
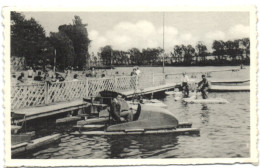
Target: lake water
(224, 132)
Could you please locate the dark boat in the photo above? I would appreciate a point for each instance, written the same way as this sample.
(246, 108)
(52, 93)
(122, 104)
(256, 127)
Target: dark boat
(145, 120)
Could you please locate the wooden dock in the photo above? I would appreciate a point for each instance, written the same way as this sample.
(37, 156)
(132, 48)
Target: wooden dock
(51, 109)
(150, 90)
(63, 107)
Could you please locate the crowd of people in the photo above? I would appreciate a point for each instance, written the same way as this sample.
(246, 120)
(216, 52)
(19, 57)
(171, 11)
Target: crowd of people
(48, 75)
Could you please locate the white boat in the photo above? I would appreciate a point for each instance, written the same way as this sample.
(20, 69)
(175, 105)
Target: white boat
(222, 88)
(152, 103)
(205, 101)
(146, 120)
(173, 93)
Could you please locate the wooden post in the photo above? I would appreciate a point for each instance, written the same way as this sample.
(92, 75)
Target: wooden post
(46, 93)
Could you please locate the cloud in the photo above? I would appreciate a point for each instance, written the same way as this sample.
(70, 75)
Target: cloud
(239, 31)
(215, 35)
(143, 34)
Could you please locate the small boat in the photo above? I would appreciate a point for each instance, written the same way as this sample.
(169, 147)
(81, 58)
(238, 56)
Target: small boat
(205, 101)
(173, 93)
(231, 82)
(151, 102)
(146, 119)
(222, 88)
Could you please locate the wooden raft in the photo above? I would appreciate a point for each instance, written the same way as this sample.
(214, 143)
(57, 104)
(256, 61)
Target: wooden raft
(222, 88)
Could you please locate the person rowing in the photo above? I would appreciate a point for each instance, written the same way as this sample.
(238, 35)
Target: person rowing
(203, 87)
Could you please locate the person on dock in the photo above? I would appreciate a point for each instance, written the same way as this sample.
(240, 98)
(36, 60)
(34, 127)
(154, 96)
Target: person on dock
(185, 84)
(133, 73)
(75, 77)
(30, 74)
(138, 72)
(38, 77)
(93, 72)
(21, 78)
(203, 87)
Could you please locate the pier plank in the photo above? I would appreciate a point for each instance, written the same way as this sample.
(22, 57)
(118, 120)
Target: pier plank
(43, 111)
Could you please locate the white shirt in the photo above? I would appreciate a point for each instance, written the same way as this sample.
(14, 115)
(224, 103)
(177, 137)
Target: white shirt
(138, 72)
(30, 72)
(185, 78)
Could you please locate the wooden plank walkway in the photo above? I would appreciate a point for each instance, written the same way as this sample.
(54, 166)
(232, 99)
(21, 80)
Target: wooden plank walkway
(51, 109)
(149, 90)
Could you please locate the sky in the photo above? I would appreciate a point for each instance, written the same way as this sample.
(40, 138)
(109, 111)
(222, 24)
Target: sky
(125, 30)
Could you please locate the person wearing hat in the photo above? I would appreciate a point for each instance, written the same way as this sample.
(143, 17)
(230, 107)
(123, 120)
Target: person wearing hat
(203, 87)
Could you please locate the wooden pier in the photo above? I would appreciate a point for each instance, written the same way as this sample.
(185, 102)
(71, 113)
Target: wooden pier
(41, 100)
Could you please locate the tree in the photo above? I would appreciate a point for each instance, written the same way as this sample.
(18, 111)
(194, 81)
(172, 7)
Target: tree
(189, 53)
(27, 38)
(230, 49)
(65, 53)
(106, 54)
(177, 53)
(151, 55)
(219, 48)
(78, 34)
(202, 50)
(246, 45)
(135, 56)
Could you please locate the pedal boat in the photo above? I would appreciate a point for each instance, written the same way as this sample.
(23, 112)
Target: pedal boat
(146, 120)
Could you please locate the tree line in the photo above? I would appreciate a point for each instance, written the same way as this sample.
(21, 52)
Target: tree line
(223, 53)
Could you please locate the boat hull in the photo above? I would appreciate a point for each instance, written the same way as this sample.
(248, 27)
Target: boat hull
(150, 118)
(181, 131)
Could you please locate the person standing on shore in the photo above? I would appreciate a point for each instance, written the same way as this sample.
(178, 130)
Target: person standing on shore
(203, 87)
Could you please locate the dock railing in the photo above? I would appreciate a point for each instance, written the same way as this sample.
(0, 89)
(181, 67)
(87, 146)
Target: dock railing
(30, 95)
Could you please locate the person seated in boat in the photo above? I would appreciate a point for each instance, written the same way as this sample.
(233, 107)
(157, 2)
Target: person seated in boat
(203, 87)
(185, 84)
(116, 108)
